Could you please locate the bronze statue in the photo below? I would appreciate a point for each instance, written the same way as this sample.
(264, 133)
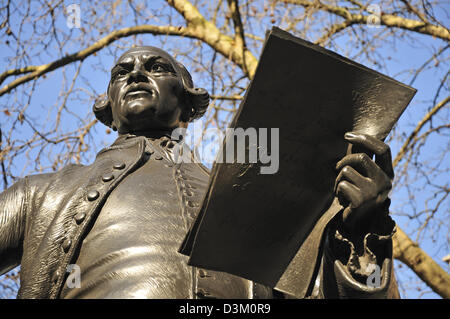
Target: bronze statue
(122, 218)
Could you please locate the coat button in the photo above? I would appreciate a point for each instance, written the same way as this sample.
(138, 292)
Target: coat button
(202, 273)
(188, 192)
(119, 166)
(158, 157)
(79, 217)
(192, 204)
(92, 195)
(108, 177)
(66, 245)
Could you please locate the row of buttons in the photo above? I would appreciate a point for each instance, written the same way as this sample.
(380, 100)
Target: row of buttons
(201, 292)
(91, 196)
(185, 188)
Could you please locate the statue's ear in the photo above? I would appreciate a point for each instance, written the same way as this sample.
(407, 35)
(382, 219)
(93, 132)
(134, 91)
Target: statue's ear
(102, 111)
(196, 99)
(197, 102)
(186, 108)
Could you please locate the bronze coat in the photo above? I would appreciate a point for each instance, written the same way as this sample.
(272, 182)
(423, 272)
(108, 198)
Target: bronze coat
(43, 219)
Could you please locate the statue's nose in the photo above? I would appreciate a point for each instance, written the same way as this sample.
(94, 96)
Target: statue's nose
(137, 76)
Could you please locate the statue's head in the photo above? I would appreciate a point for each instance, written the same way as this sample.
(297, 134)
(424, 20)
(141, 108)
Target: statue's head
(149, 90)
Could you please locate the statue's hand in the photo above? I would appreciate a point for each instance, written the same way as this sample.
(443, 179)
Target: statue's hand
(362, 185)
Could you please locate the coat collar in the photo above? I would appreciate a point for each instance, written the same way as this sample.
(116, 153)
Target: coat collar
(160, 142)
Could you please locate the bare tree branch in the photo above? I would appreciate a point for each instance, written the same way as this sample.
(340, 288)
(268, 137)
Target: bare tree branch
(197, 28)
(37, 71)
(388, 20)
(419, 126)
(211, 35)
(238, 27)
(423, 265)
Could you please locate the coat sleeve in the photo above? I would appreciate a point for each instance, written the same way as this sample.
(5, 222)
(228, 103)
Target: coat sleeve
(13, 203)
(359, 270)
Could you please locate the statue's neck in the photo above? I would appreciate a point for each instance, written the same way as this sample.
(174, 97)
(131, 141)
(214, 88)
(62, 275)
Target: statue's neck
(154, 134)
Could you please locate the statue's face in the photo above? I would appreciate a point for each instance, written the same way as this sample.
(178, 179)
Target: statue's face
(145, 91)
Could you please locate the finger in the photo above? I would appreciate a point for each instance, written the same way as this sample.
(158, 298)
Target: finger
(384, 161)
(382, 151)
(347, 192)
(361, 162)
(367, 141)
(348, 173)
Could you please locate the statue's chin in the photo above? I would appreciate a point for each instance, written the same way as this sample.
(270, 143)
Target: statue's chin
(138, 108)
(145, 121)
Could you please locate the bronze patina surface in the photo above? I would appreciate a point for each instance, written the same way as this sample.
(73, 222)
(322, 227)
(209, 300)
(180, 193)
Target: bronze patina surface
(122, 218)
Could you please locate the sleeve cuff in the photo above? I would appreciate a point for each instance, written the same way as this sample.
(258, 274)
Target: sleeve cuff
(362, 265)
(360, 257)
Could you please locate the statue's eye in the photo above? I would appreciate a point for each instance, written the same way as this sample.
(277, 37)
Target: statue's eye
(118, 73)
(158, 67)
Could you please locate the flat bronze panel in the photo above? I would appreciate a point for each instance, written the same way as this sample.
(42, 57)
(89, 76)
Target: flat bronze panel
(253, 224)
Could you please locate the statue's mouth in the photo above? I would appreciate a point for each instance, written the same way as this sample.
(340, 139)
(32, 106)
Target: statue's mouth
(138, 90)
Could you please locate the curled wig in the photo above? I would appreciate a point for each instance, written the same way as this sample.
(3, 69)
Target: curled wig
(195, 99)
